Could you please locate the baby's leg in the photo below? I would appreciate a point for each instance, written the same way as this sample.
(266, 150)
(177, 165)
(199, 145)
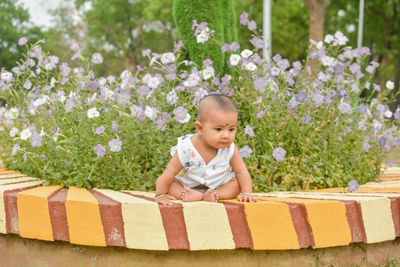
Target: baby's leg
(229, 190)
(186, 194)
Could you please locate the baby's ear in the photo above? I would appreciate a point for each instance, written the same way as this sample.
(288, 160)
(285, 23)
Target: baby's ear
(199, 127)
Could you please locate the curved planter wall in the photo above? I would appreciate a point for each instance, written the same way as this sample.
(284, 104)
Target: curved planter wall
(279, 221)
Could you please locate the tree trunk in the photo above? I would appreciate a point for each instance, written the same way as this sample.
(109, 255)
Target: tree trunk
(317, 10)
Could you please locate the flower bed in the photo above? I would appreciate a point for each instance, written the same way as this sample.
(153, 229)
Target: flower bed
(298, 128)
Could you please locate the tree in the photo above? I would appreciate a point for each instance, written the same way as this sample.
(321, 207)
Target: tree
(121, 29)
(14, 24)
(220, 16)
(317, 9)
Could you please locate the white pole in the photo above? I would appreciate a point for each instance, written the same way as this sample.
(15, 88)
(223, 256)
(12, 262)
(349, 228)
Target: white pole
(267, 30)
(360, 24)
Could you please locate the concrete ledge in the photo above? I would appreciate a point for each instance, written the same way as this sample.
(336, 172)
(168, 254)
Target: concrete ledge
(131, 219)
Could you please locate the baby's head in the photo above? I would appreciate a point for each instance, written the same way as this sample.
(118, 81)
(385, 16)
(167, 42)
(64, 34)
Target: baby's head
(217, 121)
(215, 102)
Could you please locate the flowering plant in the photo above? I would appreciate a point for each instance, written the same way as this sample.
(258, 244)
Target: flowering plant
(297, 129)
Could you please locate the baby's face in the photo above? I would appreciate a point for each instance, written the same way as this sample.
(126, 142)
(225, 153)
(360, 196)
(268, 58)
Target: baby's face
(219, 128)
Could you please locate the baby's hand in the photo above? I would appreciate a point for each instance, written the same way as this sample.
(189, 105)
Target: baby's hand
(164, 199)
(247, 197)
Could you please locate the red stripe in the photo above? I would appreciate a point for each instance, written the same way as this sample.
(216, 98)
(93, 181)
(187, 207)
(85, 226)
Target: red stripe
(303, 229)
(111, 217)
(394, 205)
(239, 226)
(354, 219)
(58, 215)
(173, 222)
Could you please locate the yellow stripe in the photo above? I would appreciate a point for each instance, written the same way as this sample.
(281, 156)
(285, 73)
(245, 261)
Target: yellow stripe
(271, 225)
(143, 224)
(207, 226)
(84, 221)
(33, 212)
(327, 219)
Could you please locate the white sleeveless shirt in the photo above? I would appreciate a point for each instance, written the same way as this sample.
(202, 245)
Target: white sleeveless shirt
(196, 172)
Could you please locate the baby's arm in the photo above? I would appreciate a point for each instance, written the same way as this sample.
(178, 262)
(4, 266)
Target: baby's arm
(243, 177)
(166, 178)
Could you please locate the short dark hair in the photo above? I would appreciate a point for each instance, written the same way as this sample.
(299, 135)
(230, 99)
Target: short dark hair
(216, 101)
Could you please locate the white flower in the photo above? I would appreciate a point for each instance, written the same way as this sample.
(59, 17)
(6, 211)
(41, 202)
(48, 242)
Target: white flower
(13, 132)
(390, 85)
(42, 133)
(186, 119)
(62, 98)
(25, 134)
(202, 37)
(192, 80)
(27, 84)
(251, 66)
(153, 82)
(234, 59)
(341, 13)
(328, 61)
(7, 76)
(149, 113)
(275, 71)
(52, 82)
(146, 78)
(329, 38)
(208, 73)
(340, 39)
(246, 53)
(200, 93)
(40, 101)
(167, 58)
(93, 113)
(126, 74)
(351, 28)
(12, 114)
(172, 97)
(388, 114)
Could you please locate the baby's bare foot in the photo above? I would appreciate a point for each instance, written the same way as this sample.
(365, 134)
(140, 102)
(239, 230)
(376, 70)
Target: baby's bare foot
(211, 196)
(191, 195)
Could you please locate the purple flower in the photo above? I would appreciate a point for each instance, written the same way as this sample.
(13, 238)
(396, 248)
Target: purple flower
(100, 130)
(306, 119)
(22, 41)
(248, 130)
(362, 109)
(260, 114)
(279, 154)
(14, 149)
(301, 97)
(366, 146)
(382, 141)
(99, 150)
(25, 156)
(252, 25)
(180, 113)
(123, 98)
(146, 52)
(69, 104)
(260, 84)
(36, 139)
(244, 18)
(317, 98)
(293, 103)
(143, 90)
(97, 58)
(345, 108)
(114, 126)
(389, 162)
(353, 185)
(234, 46)
(115, 145)
(245, 152)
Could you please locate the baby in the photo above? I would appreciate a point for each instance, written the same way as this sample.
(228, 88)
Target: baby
(201, 168)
